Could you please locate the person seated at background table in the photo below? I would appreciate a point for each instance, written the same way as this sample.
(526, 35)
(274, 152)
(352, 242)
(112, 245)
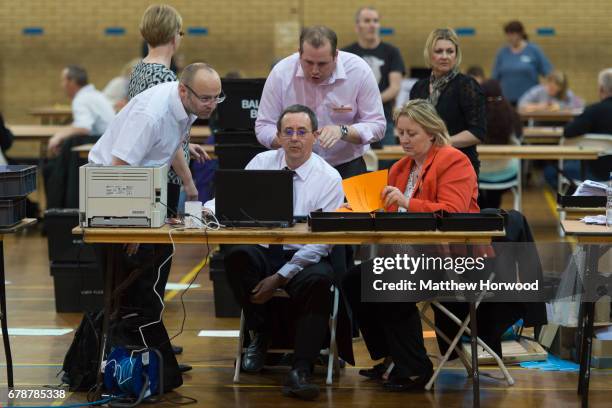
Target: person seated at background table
(476, 72)
(6, 141)
(457, 98)
(519, 65)
(91, 111)
(503, 127)
(553, 95)
(117, 88)
(303, 271)
(596, 118)
(433, 176)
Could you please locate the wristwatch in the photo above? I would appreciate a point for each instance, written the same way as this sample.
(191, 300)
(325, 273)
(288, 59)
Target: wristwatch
(344, 131)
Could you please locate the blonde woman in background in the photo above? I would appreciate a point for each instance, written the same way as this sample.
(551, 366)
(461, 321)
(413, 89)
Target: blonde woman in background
(553, 95)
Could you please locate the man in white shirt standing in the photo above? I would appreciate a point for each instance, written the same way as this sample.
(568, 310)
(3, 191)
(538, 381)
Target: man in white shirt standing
(254, 271)
(339, 87)
(148, 131)
(91, 110)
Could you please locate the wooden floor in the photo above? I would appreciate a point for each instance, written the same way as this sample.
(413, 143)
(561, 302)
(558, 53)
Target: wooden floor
(38, 359)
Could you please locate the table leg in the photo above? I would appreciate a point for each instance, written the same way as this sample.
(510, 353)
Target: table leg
(5, 335)
(474, 341)
(588, 317)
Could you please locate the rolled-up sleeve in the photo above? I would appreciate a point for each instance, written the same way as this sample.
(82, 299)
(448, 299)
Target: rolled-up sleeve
(370, 122)
(270, 108)
(82, 114)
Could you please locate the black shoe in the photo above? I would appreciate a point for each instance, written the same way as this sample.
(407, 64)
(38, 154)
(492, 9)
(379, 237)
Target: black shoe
(177, 349)
(255, 355)
(407, 384)
(297, 386)
(183, 368)
(374, 373)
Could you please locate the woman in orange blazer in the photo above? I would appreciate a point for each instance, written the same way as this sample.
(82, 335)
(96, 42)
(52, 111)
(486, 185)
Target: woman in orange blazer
(433, 176)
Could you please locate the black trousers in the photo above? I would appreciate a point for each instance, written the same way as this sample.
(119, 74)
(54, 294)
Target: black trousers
(353, 168)
(309, 292)
(390, 329)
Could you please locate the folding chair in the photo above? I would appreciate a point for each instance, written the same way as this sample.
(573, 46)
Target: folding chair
(453, 345)
(333, 364)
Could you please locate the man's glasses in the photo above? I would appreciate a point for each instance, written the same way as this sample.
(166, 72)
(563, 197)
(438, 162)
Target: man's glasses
(205, 98)
(294, 132)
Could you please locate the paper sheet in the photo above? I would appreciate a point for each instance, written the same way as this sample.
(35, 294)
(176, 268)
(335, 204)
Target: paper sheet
(363, 191)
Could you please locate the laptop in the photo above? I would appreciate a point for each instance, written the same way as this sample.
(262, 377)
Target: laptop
(254, 198)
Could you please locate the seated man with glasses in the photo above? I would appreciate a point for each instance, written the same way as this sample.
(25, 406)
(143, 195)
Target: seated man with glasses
(255, 272)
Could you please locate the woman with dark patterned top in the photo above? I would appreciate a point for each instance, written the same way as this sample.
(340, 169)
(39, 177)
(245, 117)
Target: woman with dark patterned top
(161, 28)
(457, 97)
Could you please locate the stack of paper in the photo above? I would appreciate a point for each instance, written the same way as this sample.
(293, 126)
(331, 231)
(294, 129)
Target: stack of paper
(591, 188)
(363, 192)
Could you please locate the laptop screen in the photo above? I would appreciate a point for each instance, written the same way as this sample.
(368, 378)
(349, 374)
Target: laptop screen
(254, 197)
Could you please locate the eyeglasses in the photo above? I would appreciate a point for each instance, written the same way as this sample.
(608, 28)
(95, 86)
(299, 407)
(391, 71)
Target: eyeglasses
(205, 98)
(295, 132)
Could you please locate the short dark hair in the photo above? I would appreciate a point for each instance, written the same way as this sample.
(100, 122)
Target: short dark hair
(77, 74)
(316, 36)
(475, 71)
(297, 108)
(517, 27)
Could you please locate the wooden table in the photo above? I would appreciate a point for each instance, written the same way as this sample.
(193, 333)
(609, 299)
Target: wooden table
(576, 213)
(55, 114)
(597, 239)
(199, 134)
(298, 234)
(548, 116)
(3, 315)
(495, 152)
(542, 135)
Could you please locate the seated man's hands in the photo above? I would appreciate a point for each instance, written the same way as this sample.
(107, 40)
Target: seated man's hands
(392, 195)
(198, 152)
(264, 290)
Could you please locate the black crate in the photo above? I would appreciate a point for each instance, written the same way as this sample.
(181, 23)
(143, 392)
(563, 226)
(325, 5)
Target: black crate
(404, 221)
(470, 222)
(63, 245)
(225, 302)
(581, 201)
(239, 110)
(12, 211)
(340, 221)
(236, 156)
(17, 180)
(78, 287)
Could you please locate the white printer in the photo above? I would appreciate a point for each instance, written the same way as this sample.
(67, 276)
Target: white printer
(122, 196)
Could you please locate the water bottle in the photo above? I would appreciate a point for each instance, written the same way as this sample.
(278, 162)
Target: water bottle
(609, 202)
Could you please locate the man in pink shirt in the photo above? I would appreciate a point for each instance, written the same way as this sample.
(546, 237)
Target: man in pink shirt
(339, 87)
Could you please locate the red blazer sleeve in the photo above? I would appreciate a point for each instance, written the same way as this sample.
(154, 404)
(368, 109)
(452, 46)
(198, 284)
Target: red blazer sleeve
(456, 186)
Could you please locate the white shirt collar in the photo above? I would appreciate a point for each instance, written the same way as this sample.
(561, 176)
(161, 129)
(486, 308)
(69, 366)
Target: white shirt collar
(304, 170)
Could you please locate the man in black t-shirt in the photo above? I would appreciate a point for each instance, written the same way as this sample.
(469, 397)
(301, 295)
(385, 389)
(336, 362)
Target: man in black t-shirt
(383, 58)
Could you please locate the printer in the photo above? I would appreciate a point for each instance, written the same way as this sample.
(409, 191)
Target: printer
(122, 196)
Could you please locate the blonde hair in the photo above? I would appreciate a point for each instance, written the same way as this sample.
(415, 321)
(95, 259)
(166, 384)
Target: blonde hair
(159, 24)
(424, 114)
(559, 78)
(441, 34)
(604, 80)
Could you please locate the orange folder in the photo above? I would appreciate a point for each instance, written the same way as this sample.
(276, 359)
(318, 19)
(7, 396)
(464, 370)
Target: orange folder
(363, 191)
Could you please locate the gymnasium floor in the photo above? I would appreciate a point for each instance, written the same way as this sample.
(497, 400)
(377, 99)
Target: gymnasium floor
(37, 359)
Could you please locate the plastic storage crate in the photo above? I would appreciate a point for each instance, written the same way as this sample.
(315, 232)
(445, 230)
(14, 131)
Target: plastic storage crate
(17, 180)
(12, 212)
